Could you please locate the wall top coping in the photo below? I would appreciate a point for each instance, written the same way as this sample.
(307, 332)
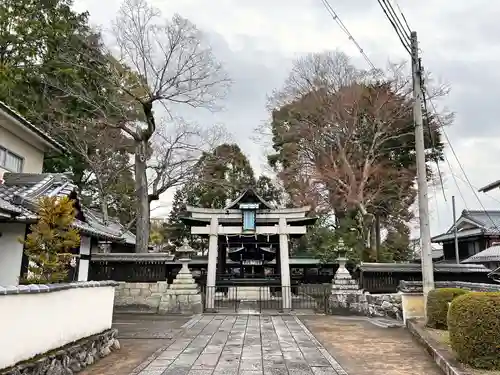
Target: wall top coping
(416, 286)
(48, 288)
(133, 257)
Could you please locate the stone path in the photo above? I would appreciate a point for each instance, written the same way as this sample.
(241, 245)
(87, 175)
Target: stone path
(244, 345)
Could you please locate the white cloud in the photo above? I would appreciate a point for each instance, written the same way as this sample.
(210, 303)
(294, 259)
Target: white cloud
(258, 39)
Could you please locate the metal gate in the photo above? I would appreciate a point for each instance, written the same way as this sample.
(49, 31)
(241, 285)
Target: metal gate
(230, 299)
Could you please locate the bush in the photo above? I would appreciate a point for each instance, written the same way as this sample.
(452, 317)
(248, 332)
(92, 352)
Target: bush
(51, 240)
(437, 306)
(474, 327)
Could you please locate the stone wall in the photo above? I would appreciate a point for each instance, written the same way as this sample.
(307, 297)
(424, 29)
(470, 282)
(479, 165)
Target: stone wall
(372, 305)
(70, 359)
(140, 296)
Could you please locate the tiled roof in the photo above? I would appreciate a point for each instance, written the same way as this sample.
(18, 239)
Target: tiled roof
(20, 191)
(486, 222)
(21, 119)
(490, 220)
(491, 254)
(253, 196)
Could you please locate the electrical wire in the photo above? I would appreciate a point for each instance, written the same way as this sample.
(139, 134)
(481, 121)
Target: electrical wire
(476, 188)
(442, 126)
(404, 37)
(402, 15)
(456, 182)
(394, 22)
(337, 19)
(397, 21)
(429, 128)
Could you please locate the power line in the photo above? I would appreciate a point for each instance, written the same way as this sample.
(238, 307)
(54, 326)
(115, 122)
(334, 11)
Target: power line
(396, 19)
(429, 128)
(402, 15)
(395, 22)
(456, 182)
(337, 19)
(489, 196)
(442, 126)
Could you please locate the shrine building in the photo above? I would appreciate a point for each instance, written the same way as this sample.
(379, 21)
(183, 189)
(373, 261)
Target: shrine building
(253, 235)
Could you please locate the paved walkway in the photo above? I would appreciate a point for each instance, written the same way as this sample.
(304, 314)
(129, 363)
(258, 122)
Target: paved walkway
(244, 345)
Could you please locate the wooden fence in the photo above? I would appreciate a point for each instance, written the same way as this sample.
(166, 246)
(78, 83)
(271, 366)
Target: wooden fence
(372, 277)
(385, 277)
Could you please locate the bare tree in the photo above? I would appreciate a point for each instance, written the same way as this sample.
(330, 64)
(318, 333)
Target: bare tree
(155, 65)
(105, 152)
(175, 67)
(350, 132)
(176, 150)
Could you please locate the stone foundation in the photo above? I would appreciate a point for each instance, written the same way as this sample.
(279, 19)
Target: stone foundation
(140, 296)
(372, 305)
(183, 295)
(159, 297)
(69, 359)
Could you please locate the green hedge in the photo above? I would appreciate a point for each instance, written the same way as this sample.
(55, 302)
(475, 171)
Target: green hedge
(437, 306)
(474, 327)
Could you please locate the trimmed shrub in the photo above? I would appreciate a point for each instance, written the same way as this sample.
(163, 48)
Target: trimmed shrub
(474, 327)
(437, 306)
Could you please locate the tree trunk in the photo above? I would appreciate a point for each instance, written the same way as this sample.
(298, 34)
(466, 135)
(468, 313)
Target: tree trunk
(373, 240)
(378, 239)
(141, 186)
(104, 208)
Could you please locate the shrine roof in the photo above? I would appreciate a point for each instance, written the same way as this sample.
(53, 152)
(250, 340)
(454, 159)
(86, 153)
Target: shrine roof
(249, 196)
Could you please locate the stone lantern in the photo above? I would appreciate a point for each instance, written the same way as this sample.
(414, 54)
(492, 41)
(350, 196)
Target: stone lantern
(183, 295)
(342, 272)
(184, 254)
(346, 297)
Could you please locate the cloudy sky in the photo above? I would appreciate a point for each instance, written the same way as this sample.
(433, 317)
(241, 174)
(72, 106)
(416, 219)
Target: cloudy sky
(257, 40)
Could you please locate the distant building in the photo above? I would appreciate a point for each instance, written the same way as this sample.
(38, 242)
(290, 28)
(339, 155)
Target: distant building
(476, 231)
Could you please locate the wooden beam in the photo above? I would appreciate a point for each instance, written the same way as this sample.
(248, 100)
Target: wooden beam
(259, 230)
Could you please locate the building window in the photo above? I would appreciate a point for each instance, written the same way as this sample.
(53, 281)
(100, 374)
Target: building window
(10, 161)
(248, 220)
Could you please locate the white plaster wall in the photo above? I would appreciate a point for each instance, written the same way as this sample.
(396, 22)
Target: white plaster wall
(22, 144)
(11, 253)
(83, 268)
(33, 324)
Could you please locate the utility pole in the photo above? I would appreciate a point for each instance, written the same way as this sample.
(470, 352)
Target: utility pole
(455, 231)
(423, 198)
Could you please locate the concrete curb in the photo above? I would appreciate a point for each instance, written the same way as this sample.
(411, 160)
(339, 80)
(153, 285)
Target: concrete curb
(441, 355)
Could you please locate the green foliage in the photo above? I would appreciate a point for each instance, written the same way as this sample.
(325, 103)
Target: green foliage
(48, 59)
(396, 246)
(30, 33)
(474, 327)
(322, 240)
(51, 240)
(437, 306)
(306, 144)
(269, 191)
(223, 176)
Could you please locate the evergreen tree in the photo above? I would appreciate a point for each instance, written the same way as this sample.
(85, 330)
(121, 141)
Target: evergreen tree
(48, 52)
(223, 175)
(269, 191)
(51, 240)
